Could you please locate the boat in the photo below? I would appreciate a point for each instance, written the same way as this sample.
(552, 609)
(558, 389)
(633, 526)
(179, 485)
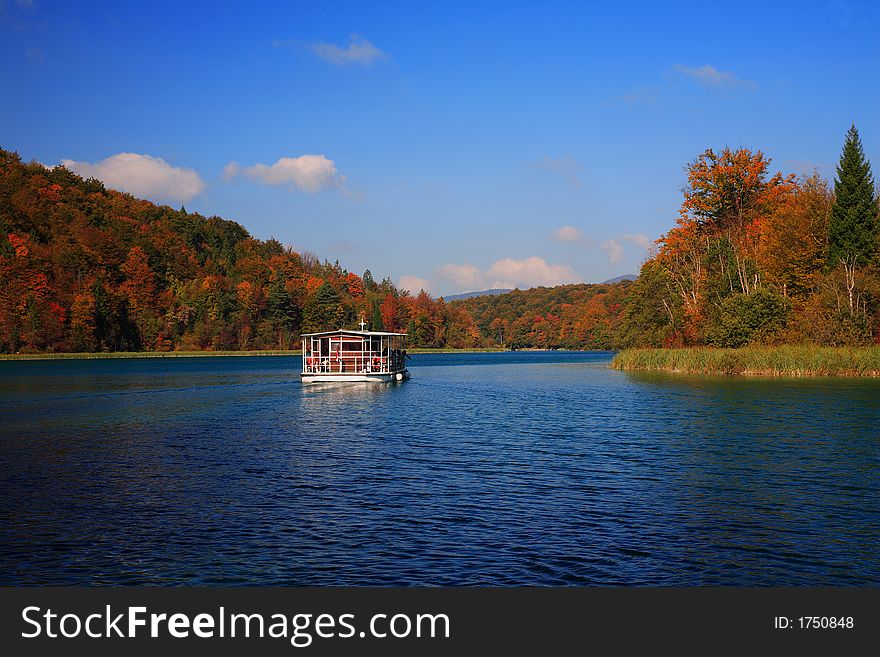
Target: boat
(347, 355)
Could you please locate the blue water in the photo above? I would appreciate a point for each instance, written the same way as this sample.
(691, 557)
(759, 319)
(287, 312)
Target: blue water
(498, 469)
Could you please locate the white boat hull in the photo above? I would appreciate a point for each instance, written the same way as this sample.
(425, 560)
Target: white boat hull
(353, 377)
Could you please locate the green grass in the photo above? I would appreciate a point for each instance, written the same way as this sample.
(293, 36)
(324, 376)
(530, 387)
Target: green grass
(767, 361)
(203, 354)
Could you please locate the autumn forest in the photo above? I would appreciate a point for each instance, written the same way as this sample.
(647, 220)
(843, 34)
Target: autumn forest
(755, 257)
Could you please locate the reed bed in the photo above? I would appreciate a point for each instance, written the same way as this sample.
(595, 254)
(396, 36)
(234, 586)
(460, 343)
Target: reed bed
(786, 360)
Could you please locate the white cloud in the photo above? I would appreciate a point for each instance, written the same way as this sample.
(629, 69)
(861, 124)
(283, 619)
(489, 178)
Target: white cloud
(507, 273)
(709, 76)
(568, 234)
(309, 173)
(142, 175)
(231, 170)
(613, 249)
(413, 284)
(358, 51)
(529, 272)
(566, 167)
(464, 277)
(639, 239)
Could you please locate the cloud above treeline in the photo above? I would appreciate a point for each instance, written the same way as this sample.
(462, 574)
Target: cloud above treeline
(613, 249)
(142, 175)
(521, 273)
(153, 178)
(506, 273)
(568, 235)
(639, 239)
(307, 173)
(612, 246)
(414, 284)
(709, 76)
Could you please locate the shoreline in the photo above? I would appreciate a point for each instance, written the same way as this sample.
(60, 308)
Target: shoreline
(786, 360)
(209, 354)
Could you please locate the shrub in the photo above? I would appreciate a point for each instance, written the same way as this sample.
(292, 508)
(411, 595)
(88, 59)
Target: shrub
(748, 318)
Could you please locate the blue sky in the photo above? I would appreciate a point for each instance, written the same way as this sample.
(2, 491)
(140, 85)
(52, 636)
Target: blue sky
(455, 146)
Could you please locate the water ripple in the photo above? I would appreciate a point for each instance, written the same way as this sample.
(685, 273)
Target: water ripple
(490, 469)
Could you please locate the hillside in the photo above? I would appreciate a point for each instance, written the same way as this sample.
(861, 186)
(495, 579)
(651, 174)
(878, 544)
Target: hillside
(481, 293)
(84, 268)
(580, 316)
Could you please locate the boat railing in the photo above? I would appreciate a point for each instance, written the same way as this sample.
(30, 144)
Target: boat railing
(360, 362)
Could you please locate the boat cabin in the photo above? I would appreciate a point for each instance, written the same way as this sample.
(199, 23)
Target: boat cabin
(350, 355)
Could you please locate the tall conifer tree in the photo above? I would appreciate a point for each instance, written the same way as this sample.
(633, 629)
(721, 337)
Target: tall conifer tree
(852, 230)
(853, 225)
(321, 311)
(376, 322)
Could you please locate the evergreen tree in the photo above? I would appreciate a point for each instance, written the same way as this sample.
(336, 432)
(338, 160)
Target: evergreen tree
(282, 311)
(853, 225)
(852, 230)
(376, 321)
(369, 283)
(321, 311)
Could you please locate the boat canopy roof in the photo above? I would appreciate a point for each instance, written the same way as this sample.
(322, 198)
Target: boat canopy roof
(350, 332)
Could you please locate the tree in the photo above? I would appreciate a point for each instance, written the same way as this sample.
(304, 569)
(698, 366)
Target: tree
(682, 256)
(376, 321)
(282, 311)
(497, 327)
(747, 318)
(727, 197)
(139, 289)
(82, 321)
(852, 231)
(321, 312)
(354, 285)
(794, 240)
(388, 310)
(654, 314)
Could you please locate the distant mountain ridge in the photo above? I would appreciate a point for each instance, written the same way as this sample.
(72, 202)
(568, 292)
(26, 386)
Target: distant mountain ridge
(496, 291)
(470, 295)
(620, 279)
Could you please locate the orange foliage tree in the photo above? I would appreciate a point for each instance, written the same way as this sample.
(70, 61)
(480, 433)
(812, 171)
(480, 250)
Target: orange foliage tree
(728, 196)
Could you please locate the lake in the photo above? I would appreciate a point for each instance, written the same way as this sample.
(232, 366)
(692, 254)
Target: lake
(538, 468)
